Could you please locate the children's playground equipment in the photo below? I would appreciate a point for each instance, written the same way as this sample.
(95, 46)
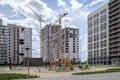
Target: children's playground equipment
(62, 64)
(83, 67)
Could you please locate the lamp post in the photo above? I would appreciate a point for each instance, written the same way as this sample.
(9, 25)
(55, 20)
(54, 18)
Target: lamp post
(27, 49)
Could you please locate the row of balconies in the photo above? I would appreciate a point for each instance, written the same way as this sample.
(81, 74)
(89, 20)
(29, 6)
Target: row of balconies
(113, 3)
(115, 55)
(114, 31)
(114, 22)
(117, 16)
(114, 40)
(114, 26)
(117, 5)
(117, 35)
(114, 50)
(114, 13)
(115, 45)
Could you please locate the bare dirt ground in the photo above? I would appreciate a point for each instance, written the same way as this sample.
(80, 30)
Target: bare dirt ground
(47, 73)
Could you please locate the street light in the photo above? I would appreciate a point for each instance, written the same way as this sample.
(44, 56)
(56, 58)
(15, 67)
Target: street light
(27, 49)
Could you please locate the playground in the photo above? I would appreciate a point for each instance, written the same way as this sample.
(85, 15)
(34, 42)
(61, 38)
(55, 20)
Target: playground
(49, 73)
(64, 65)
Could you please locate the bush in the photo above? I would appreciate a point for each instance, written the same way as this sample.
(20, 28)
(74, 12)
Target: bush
(9, 76)
(98, 72)
(71, 68)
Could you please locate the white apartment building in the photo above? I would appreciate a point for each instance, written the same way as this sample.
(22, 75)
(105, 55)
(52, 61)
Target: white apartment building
(98, 36)
(17, 43)
(50, 45)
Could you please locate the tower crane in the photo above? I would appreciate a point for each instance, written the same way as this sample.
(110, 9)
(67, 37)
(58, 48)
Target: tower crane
(60, 34)
(40, 20)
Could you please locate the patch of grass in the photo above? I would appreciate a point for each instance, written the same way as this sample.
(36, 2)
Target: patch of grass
(99, 72)
(10, 76)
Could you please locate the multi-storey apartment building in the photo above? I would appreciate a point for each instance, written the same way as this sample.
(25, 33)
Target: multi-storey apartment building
(50, 42)
(114, 31)
(3, 43)
(98, 52)
(70, 43)
(15, 43)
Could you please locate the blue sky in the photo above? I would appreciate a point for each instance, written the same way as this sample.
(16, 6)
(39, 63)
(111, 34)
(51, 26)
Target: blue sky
(17, 12)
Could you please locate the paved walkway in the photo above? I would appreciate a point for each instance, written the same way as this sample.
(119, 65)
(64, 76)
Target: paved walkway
(106, 76)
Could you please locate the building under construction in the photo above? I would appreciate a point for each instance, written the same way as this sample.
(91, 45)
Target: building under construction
(50, 42)
(15, 43)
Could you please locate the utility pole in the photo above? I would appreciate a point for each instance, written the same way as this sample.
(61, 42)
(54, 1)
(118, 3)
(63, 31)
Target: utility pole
(27, 50)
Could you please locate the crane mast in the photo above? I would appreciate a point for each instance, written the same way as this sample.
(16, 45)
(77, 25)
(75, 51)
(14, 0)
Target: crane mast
(40, 20)
(60, 35)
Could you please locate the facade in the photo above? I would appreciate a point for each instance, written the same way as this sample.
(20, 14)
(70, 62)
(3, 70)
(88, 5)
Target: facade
(17, 41)
(50, 45)
(70, 43)
(114, 31)
(98, 52)
(45, 42)
(4, 57)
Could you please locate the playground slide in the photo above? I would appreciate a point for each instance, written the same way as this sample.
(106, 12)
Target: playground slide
(60, 68)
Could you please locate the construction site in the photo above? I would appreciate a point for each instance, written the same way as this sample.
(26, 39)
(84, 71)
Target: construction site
(57, 42)
(58, 46)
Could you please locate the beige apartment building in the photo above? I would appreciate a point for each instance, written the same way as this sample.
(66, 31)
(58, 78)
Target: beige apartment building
(114, 31)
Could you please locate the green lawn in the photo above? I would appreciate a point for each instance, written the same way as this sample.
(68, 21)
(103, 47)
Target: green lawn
(10, 76)
(99, 72)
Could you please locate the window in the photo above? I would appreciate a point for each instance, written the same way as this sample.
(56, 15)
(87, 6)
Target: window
(101, 44)
(89, 25)
(22, 30)
(105, 43)
(97, 44)
(98, 37)
(105, 35)
(90, 19)
(105, 52)
(103, 11)
(103, 18)
(103, 26)
(95, 37)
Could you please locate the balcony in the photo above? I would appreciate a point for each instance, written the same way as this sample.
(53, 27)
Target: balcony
(113, 2)
(116, 32)
(115, 55)
(21, 41)
(114, 27)
(115, 50)
(114, 22)
(22, 54)
(112, 18)
(115, 45)
(114, 13)
(115, 40)
(115, 35)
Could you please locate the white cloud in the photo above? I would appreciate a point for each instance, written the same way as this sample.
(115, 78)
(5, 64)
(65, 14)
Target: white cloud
(75, 5)
(41, 8)
(83, 47)
(66, 21)
(61, 3)
(36, 53)
(95, 2)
